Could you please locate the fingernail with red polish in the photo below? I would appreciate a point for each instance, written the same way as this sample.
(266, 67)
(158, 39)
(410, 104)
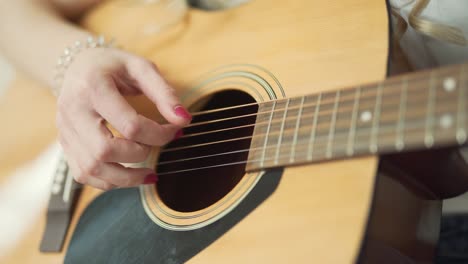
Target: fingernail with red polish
(178, 134)
(182, 112)
(151, 178)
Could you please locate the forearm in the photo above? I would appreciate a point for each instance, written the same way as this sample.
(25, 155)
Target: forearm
(34, 34)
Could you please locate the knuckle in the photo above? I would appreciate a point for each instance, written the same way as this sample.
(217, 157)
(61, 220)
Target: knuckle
(92, 168)
(165, 136)
(165, 139)
(88, 83)
(145, 152)
(153, 65)
(146, 65)
(141, 152)
(90, 77)
(127, 182)
(80, 177)
(171, 91)
(131, 128)
(105, 186)
(131, 180)
(82, 86)
(104, 152)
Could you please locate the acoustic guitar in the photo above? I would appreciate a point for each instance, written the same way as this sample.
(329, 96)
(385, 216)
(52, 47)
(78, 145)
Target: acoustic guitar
(299, 150)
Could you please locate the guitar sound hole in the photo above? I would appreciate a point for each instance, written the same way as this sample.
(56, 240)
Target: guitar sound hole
(186, 187)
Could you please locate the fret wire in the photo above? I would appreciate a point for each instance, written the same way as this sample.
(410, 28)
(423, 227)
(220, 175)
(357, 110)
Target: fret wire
(342, 109)
(429, 136)
(375, 129)
(418, 117)
(324, 129)
(281, 100)
(314, 126)
(231, 163)
(352, 131)
(388, 107)
(415, 78)
(460, 119)
(278, 145)
(324, 133)
(417, 126)
(414, 130)
(329, 152)
(273, 121)
(461, 130)
(399, 144)
(361, 148)
(423, 123)
(460, 107)
(388, 111)
(250, 161)
(413, 127)
(298, 121)
(267, 132)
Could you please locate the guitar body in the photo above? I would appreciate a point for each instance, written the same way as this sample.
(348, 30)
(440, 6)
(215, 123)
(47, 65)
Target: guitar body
(334, 212)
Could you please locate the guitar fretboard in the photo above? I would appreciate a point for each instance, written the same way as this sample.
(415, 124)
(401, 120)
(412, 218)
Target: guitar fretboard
(422, 110)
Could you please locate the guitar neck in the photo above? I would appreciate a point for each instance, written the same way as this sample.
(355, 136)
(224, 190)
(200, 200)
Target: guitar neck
(422, 110)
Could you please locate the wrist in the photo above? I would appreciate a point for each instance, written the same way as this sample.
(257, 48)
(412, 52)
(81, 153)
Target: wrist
(69, 54)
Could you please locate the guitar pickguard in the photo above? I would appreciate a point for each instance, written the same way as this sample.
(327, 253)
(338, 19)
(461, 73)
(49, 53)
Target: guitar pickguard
(115, 229)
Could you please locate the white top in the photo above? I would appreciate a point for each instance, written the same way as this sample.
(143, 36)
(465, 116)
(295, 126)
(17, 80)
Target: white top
(424, 51)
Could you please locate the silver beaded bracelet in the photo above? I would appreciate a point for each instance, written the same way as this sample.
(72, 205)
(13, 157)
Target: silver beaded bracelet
(64, 61)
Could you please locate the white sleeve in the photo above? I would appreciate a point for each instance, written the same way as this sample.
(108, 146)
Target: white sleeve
(425, 51)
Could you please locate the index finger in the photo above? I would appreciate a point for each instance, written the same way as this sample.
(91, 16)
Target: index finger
(113, 107)
(156, 88)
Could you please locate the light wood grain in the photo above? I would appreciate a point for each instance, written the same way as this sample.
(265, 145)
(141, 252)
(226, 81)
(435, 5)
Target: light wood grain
(310, 46)
(312, 214)
(27, 112)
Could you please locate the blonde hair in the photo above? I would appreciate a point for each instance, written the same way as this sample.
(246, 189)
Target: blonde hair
(438, 31)
(401, 25)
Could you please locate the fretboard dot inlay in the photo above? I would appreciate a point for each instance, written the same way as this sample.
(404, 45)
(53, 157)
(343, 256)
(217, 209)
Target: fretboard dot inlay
(461, 136)
(429, 141)
(450, 84)
(446, 121)
(366, 116)
(399, 145)
(405, 113)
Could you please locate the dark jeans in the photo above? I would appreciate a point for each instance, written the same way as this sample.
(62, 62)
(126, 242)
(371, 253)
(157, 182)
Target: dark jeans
(453, 241)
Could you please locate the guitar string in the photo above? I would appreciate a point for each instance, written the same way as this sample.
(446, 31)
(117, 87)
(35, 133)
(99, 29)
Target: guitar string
(329, 101)
(321, 136)
(415, 126)
(418, 109)
(293, 118)
(272, 146)
(415, 76)
(323, 103)
(289, 131)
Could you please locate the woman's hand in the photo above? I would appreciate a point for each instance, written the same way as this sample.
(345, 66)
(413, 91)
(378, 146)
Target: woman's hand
(92, 93)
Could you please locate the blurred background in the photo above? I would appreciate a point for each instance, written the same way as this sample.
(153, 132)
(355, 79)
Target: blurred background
(6, 74)
(415, 48)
